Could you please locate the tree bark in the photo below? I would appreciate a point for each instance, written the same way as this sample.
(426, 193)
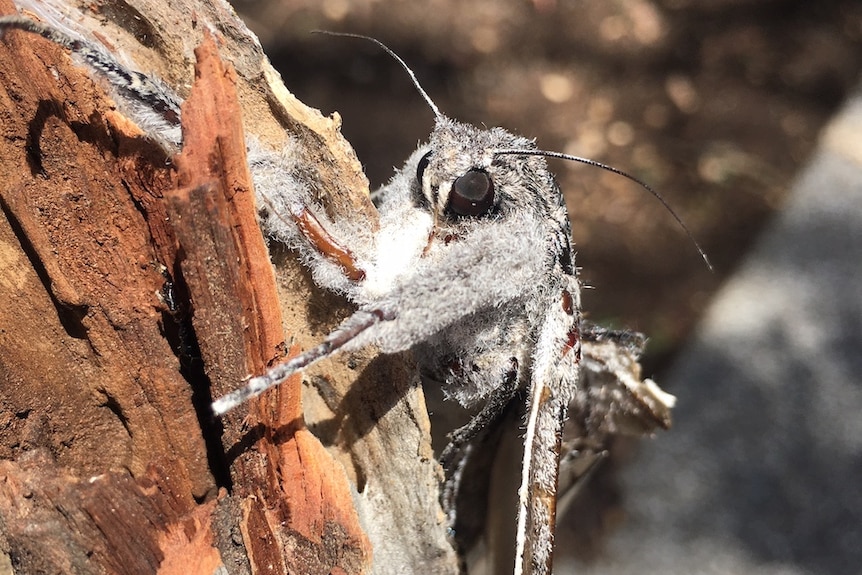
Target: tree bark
(137, 287)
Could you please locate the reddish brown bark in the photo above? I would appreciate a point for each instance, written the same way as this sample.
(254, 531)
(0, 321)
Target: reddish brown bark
(108, 523)
(84, 335)
(296, 501)
(94, 407)
(100, 379)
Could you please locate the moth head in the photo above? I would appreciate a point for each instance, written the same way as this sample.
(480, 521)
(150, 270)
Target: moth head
(461, 179)
(469, 195)
(463, 174)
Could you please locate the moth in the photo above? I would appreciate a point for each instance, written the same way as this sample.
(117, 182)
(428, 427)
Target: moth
(471, 268)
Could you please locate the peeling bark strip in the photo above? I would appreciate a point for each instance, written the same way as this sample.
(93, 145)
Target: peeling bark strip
(297, 510)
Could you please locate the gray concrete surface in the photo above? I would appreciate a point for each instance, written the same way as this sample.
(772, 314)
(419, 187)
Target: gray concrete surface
(762, 472)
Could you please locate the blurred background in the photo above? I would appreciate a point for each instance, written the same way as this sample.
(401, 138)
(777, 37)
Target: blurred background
(719, 105)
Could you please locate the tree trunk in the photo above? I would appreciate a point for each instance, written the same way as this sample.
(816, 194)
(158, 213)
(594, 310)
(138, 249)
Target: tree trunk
(137, 287)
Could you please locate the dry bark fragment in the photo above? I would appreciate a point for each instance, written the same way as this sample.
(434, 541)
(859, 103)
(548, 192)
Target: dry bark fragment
(297, 509)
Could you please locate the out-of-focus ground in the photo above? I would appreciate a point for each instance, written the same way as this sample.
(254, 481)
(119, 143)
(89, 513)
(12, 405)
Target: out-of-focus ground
(761, 472)
(718, 105)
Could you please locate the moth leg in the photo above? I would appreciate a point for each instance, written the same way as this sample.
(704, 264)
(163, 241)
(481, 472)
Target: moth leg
(417, 306)
(318, 238)
(336, 252)
(346, 332)
(633, 341)
(493, 409)
(146, 100)
(327, 245)
(553, 385)
(454, 456)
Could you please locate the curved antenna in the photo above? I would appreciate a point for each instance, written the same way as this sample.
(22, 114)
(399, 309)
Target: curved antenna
(397, 58)
(641, 183)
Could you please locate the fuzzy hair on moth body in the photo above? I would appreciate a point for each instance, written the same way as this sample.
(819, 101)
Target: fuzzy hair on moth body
(472, 269)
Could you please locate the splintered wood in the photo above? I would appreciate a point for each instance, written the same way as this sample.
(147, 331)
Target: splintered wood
(296, 504)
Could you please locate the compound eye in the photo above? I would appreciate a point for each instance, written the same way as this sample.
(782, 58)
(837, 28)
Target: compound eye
(420, 169)
(472, 194)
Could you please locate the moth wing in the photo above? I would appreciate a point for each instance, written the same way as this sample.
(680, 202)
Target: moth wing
(553, 385)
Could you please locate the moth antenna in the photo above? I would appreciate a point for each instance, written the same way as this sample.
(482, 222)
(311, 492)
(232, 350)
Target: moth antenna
(422, 92)
(641, 183)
